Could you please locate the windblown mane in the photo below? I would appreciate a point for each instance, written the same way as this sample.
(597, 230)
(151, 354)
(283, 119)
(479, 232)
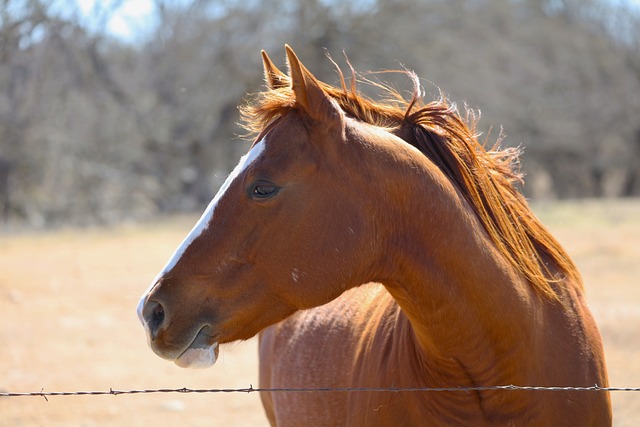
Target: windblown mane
(485, 177)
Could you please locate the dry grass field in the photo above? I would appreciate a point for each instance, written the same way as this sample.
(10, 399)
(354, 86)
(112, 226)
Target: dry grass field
(68, 298)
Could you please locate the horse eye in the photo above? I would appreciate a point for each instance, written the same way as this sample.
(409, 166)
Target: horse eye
(263, 190)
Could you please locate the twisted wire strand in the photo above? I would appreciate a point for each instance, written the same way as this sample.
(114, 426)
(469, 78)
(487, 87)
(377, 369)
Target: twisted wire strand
(251, 389)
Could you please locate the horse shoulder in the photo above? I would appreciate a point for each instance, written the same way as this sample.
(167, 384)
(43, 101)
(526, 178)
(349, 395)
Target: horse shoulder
(318, 348)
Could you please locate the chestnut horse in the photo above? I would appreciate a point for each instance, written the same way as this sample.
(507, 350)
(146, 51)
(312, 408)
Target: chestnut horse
(378, 244)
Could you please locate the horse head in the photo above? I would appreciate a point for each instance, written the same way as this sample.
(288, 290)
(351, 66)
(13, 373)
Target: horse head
(285, 232)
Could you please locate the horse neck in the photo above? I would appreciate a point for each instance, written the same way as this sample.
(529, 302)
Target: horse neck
(466, 304)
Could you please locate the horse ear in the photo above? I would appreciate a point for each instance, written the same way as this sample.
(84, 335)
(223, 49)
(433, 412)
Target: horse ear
(273, 77)
(310, 96)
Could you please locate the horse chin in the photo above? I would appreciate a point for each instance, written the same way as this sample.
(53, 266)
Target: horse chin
(200, 354)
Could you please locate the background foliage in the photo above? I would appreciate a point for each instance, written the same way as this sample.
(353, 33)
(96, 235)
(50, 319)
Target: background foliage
(94, 129)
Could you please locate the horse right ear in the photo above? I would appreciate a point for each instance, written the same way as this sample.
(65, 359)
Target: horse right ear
(274, 78)
(310, 96)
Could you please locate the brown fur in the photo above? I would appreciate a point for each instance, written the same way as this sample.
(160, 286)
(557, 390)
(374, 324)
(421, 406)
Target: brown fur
(395, 253)
(485, 177)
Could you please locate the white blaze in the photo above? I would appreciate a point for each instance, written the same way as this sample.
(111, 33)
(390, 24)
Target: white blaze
(205, 219)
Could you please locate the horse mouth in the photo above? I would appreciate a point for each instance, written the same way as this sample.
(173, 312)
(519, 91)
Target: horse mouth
(201, 353)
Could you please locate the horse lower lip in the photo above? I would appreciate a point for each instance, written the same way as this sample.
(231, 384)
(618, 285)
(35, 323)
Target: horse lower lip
(201, 353)
(198, 357)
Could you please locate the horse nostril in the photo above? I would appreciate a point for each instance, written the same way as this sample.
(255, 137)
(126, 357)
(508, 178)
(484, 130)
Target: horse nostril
(154, 317)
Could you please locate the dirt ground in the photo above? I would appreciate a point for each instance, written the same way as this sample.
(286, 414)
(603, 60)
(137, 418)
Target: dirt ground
(68, 298)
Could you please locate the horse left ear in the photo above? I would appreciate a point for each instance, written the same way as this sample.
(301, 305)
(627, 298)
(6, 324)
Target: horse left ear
(274, 78)
(310, 96)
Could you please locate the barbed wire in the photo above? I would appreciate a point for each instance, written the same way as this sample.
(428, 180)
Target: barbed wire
(251, 389)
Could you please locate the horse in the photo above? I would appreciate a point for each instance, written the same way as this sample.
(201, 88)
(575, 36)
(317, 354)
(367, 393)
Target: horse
(378, 244)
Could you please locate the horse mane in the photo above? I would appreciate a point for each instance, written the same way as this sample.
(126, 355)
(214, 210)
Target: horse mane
(486, 178)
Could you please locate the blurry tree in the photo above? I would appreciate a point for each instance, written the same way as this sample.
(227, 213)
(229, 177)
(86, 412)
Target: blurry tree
(61, 124)
(94, 129)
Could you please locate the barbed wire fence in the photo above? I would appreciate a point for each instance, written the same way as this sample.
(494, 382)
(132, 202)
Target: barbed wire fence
(251, 389)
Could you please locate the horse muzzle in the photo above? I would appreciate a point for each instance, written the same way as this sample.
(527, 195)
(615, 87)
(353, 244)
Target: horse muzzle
(202, 350)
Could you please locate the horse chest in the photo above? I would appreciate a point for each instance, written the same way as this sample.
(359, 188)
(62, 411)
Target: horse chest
(336, 346)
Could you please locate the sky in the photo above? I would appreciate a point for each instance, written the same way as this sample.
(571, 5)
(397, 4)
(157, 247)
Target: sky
(129, 19)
